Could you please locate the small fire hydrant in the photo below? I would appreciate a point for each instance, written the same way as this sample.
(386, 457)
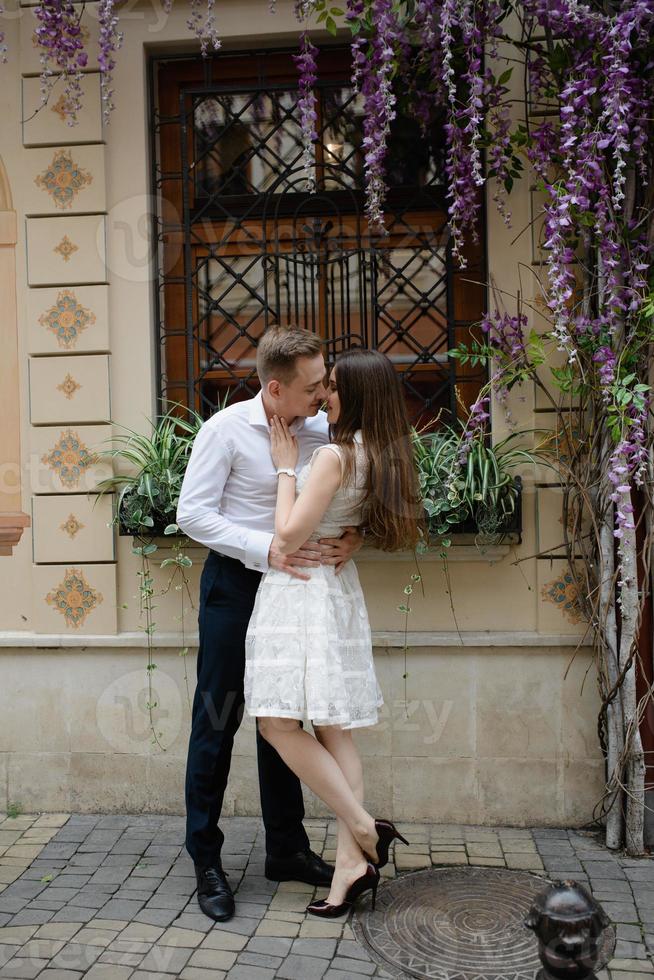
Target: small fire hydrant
(568, 922)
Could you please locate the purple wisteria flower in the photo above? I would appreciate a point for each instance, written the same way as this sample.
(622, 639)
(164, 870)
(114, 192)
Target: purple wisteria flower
(379, 107)
(308, 72)
(110, 40)
(474, 428)
(61, 52)
(505, 334)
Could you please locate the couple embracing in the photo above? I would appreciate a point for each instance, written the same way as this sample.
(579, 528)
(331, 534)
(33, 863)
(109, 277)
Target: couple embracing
(281, 494)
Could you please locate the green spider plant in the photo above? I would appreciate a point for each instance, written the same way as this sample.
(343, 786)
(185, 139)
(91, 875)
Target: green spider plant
(479, 493)
(146, 499)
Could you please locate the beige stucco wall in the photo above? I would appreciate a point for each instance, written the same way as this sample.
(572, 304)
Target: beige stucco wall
(518, 744)
(485, 735)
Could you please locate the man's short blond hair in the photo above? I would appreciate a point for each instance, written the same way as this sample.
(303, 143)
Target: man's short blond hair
(279, 349)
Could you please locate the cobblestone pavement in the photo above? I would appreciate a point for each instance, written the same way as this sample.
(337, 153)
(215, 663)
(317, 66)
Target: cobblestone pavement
(111, 898)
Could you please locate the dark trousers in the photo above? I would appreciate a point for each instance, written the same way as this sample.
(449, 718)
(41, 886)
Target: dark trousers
(227, 592)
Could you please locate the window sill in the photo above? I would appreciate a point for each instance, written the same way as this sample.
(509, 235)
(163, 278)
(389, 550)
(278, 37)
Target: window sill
(381, 639)
(464, 550)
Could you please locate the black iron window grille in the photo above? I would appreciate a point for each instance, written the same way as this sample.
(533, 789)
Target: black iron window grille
(241, 245)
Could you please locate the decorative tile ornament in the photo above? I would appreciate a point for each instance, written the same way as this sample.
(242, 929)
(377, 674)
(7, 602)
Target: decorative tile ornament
(69, 458)
(66, 248)
(71, 526)
(67, 318)
(59, 108)
(74, 598)
(562, 592)
(63, 179)
(71, 530)
(69, 386)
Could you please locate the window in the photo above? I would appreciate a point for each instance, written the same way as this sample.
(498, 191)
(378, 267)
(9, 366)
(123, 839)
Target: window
(241, 245)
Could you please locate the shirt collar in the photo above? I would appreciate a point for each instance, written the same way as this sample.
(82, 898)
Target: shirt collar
(257, 415)
(358, 436)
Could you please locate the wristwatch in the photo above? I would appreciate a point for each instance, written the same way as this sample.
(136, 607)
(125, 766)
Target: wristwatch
(287, 470)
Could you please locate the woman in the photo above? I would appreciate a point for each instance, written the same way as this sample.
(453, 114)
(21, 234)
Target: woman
(308, 647)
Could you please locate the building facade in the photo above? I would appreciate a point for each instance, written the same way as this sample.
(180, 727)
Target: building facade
(141, 260)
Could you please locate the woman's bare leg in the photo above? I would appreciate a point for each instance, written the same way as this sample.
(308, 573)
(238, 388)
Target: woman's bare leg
(351, 862)
(316, 767)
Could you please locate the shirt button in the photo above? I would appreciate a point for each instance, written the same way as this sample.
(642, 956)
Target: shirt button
(257, 564)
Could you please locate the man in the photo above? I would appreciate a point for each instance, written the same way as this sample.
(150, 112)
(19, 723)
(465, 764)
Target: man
(227, 502)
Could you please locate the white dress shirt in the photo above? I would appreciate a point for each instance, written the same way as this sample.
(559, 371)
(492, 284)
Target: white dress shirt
(229, 492)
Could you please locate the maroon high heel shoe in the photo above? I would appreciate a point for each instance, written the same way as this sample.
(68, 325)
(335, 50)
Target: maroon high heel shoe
(368, 881)
(387, 833)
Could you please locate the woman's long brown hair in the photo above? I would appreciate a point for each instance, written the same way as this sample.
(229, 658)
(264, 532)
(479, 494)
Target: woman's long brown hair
(372, 400)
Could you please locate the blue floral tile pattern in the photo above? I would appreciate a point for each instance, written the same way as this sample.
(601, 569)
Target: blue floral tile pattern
(74, 598)
(63, 179)
(562, 592)
(67, 318)
(69, 458)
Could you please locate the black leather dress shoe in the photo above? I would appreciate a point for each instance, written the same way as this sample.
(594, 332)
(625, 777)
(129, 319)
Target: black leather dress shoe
(303, 866)
(214, 894)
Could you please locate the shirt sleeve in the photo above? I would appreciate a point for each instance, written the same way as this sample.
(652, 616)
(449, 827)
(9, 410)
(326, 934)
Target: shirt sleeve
(198, 508)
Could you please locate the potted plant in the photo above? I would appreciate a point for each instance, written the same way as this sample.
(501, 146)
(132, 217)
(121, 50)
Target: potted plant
(467, 485)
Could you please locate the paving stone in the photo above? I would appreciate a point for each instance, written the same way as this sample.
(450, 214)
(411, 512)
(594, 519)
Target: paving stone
(323, 930)
(324, 948)
(277, 946)
(12, 904)
(59, 893)
(123, 909)
(129, 947)
(272, 927)
(54, 974)
(23, 967)
(43, 949)
(634, 966)
(141, 932)
(250, 973)
(352, 950)
(120, 959)
(302, 967)
(264, 960)
(109, 876)
(213, 959)
(241, 924)
(620, 911)
(76, 956)
(628, 949)
(29, 917)
(341, 975)
(195, 973)
(18, 934)
(6, 953)
(176, 936)
(166, 959)
(360, 967)
(218, 939)
(156, 917)
(73, 914)
(197, 922)
(108, 971)
(172, 902)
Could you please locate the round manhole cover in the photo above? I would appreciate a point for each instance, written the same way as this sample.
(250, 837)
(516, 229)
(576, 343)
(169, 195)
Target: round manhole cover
(458, 924)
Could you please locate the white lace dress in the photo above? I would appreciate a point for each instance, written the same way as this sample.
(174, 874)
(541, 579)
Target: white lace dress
(308, 646)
